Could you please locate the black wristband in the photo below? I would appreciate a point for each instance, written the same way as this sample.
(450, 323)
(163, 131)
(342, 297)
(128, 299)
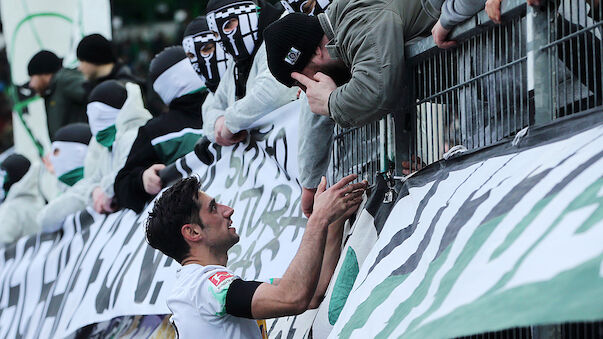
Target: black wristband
(239, 296)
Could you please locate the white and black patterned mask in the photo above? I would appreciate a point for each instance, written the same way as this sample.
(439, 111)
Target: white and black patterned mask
(208, 62)
(304, 6)
(237, 25)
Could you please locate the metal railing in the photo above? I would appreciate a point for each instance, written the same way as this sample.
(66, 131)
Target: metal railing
(575, 330)
(538, 65)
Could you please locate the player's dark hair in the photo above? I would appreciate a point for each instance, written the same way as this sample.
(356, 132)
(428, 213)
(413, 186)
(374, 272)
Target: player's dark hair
(177, 206)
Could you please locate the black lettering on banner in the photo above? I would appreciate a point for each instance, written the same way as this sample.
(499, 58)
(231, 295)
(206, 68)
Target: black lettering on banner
(243, 261)
(250, 195)
(270, 215)
(150, 262)
(235, 164)
(252, 146)
(273, 152)
(295, 218)
(128, 261)
(209, 175)
(103, 298)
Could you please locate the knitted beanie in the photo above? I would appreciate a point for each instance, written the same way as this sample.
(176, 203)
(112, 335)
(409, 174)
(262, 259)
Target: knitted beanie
(76, 132)
(197, 25)
(290, 44)
(15, 166)
(44, 62)
(95, 49)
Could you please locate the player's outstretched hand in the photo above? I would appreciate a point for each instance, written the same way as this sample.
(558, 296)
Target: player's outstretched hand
(333, 203)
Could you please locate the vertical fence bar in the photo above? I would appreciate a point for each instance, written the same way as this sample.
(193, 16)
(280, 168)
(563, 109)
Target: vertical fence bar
(539, 63)
(399, 148)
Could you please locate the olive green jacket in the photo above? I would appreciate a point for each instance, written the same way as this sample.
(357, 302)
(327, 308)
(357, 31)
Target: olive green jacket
(65, 100)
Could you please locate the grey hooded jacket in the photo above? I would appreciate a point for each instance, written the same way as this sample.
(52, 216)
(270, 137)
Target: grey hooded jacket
(369, 36)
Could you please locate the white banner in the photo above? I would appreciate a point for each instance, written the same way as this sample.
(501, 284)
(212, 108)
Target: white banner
(101, 267)
(507, 237)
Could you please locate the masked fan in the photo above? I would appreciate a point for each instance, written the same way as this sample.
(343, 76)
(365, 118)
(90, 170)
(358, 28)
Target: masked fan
(67, 157)
(20, 182)
(247, 90)
(68, 152)
(167, 137)
(115, 112)
(206, 56)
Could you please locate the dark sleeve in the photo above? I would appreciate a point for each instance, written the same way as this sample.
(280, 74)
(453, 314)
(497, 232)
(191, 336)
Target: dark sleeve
(239, 297)
(128, 187)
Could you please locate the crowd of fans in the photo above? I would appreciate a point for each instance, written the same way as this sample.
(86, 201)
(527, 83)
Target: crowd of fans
(241, 61)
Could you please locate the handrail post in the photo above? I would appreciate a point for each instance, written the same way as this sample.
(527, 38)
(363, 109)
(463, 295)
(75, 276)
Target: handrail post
(539, 64)
(401, 142)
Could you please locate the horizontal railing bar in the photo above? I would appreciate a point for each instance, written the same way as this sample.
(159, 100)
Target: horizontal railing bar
(471, 27)
(573, 35)
(467, 82)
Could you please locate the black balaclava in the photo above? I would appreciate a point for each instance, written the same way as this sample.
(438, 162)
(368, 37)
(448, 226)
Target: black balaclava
(173, 76)
(68, 152)
(241, 41)
(12, 169)
(298, 6)
(210, 67)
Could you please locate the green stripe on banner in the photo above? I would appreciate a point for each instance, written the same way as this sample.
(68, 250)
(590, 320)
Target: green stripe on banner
(504, 309)
(172, 149)
(591, 195)
(28, 18)
(510, 306)
(18, 106)
(343, 285)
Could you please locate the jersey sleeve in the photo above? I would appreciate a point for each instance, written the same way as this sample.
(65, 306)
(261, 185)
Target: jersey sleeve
(226, 293)
(213, 291)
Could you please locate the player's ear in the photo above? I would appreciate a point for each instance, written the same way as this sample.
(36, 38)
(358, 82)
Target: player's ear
(191, 232)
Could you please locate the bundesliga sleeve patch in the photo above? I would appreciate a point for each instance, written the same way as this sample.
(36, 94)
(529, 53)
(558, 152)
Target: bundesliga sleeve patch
(221, 279)
(219, 285)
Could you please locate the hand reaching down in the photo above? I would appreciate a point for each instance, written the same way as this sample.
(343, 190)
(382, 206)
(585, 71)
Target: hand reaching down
(493, 10)
(440, 36)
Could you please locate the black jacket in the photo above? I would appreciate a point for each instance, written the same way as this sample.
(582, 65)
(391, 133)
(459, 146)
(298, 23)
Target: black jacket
(162, 140)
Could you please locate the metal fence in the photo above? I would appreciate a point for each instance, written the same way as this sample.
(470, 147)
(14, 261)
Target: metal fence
(359, 150)
(538, 65)
(576, 330)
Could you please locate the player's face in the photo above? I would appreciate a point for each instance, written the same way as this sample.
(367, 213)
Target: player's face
(218, 229)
